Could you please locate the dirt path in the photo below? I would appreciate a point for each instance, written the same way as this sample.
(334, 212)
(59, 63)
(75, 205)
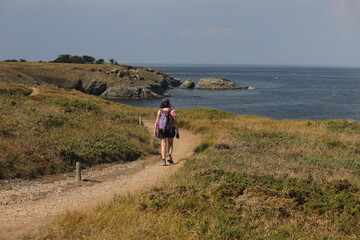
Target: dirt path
(28, 205)
(35, 91)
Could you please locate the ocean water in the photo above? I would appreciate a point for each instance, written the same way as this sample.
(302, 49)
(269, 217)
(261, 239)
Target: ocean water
(312, 93)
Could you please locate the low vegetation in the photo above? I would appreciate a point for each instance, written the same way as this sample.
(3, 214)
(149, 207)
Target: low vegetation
(67, 58)
(48, 132)
(64, 75)
(105, 80)
(250, 178)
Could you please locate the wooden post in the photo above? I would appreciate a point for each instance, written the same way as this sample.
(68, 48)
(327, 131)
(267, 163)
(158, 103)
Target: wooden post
(141, 121)
(78, 171)
(152, 143)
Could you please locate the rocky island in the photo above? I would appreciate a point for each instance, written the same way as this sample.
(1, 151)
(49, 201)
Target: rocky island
(218, 83)
(188, 84)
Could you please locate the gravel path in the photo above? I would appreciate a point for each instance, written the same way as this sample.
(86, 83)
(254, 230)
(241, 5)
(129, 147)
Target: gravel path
(27, 205)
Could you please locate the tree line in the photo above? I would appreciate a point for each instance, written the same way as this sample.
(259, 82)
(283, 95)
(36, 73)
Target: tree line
(14, 60)
(67, 58)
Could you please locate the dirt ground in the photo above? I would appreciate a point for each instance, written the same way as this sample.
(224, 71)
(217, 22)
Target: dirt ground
(27, 205)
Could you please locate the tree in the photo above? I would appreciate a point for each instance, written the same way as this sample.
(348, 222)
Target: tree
(76, 59)
(112, 61)
(88, 59)
(100, 61)
(63, 58)
(22, 60)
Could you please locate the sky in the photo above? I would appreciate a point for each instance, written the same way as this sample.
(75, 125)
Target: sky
(270, 32)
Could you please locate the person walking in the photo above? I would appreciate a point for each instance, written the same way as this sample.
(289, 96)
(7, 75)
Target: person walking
(166, 129)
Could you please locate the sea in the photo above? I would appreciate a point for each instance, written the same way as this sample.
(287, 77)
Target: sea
(278, 92)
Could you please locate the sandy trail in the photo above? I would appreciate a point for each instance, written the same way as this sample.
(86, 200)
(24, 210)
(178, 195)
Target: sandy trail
(27, 205)
(35, 91)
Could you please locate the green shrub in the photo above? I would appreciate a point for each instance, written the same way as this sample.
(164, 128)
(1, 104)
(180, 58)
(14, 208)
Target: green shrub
(16, 90)
(97, 148)
(50, 120)
(202, 147)
(73, 104)
(343, 126)
(50, 135)
(335, 144)
(267, 139)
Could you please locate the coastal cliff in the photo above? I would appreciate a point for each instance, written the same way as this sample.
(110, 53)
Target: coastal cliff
(105, 80)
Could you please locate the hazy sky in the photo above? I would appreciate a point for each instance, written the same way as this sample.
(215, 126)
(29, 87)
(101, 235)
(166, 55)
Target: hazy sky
(290, 32)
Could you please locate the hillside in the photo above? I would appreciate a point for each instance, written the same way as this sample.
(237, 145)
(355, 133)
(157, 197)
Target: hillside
(105, 80)
(251, 178)
(48, 132)
(27, 205)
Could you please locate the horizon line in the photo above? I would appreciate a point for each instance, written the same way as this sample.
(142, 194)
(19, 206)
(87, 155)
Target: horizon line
(226, 64)
(244, 64)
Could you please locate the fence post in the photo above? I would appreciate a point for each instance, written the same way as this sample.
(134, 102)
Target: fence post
(152, 143)
(141, 120)
(78, 171)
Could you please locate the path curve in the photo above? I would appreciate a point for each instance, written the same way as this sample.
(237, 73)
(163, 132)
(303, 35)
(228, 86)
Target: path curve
(35, 91)
(27, 205)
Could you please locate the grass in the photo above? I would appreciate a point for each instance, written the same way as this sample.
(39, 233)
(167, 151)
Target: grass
(250, 178)
(47, 133)
(66, 75)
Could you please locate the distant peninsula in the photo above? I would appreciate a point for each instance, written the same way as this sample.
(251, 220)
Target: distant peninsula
(104, 80)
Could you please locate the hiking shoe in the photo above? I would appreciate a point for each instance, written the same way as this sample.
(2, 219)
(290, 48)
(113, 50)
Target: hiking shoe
(163, 162)
(170, 160)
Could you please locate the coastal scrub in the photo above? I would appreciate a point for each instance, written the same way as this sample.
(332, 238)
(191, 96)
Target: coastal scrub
(48, 132)
(250, 178)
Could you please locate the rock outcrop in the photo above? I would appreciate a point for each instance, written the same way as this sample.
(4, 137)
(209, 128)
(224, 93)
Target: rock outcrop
(105, 80)
(218, 83)
(96, 88)
(152, 91)
(189, 84)
(138, 82)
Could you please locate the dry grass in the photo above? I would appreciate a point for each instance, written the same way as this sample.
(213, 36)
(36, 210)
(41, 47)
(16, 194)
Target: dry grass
(68, 75)
(46, 133)
(56, 74)
(251, 178)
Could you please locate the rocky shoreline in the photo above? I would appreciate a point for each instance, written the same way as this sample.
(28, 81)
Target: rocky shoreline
(130, 82)
(106, 81)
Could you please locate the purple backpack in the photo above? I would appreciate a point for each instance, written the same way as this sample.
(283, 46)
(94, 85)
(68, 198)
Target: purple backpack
(165, 120)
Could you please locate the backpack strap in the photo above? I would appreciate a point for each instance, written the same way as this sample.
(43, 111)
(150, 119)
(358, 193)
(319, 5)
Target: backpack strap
(170, 117)
(169, 111)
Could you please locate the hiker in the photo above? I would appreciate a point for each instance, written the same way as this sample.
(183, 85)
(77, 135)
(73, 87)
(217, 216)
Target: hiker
(166, 129)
